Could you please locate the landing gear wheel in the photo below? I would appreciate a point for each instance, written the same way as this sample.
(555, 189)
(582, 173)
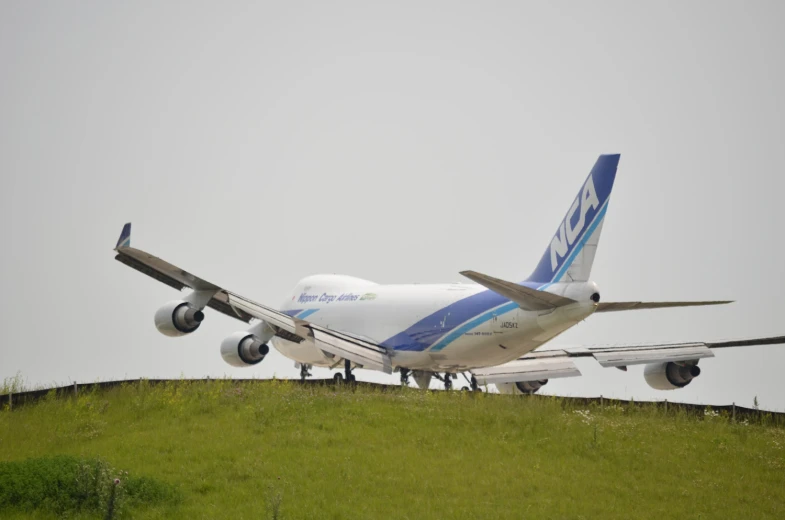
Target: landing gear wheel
(447, 382)
(405, 377)
(338, 378)
(304, 373)
(465, 389)
(347, 369)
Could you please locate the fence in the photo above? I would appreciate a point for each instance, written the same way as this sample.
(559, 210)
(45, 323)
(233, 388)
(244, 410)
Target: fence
(734, 412)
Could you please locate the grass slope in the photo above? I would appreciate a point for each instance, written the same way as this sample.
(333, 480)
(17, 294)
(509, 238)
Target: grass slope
(281, 449)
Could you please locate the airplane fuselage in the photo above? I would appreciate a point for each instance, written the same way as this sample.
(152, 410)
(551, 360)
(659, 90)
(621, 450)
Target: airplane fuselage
(434, 327)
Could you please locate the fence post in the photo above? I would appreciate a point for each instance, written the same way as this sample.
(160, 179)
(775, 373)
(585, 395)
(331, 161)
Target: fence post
(666, 407)
(74, 388)
(733, 413)
(602, 403)
(10, 400)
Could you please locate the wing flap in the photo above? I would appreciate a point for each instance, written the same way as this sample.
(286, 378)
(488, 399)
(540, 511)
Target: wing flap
(271, 316)
(526, 298)
(532, 367)
(642, 356)
(359, 351)
(352, 350)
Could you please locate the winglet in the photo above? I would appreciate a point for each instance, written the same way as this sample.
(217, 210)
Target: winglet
(125, 237)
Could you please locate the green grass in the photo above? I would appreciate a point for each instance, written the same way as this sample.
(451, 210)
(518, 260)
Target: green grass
(277, 449)
(69, 486)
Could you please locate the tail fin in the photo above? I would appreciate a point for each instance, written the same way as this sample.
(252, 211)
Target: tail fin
(570, 254)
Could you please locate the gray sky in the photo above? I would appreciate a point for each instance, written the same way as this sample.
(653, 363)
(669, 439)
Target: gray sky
(256, 144)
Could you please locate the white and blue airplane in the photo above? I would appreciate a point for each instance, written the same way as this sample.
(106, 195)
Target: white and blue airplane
(489, 331)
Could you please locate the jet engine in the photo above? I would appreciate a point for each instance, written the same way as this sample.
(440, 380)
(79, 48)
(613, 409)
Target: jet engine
(670, 375)
(178, 318)
(521, 387)
(248, 347)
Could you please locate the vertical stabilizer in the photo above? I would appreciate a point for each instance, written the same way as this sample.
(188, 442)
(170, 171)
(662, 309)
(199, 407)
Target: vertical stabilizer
(570, 253)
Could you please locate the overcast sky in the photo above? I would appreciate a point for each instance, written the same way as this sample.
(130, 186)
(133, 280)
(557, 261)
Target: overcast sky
(254, 144)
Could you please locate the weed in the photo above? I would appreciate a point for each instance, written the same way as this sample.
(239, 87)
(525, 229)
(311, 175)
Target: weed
(274, 499)
(68, 485)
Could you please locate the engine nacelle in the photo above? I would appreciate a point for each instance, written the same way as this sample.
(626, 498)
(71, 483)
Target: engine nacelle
(249, 347)
(670, 375)
(521, 387)
(178, 318)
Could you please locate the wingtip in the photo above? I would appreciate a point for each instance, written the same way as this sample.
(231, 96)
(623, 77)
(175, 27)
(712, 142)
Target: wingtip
(471, 275)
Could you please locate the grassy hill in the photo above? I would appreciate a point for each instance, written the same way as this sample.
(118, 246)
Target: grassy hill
(278, 449)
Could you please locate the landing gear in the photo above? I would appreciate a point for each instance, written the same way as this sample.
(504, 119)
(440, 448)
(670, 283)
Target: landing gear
(446, 379)
(347, 368)
(338, 378)
(475, 387)
(304, 372)
(405, 376)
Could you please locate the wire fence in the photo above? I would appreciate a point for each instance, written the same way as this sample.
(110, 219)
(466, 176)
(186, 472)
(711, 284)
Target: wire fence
(732, 411)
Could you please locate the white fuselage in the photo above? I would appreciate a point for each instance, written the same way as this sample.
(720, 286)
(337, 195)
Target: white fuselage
(432, 327)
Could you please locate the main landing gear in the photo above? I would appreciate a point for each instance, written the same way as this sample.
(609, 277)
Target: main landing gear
(304, 372)
(475, 387)
(345, 377)
(446, 379)
(405, 372)
(347, 368)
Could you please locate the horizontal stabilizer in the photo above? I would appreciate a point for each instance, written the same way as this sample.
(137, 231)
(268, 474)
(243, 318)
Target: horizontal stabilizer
(528, 299)
(634, 306)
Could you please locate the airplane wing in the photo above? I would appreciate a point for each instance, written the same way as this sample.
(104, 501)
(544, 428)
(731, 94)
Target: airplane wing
(551, 364)
(630, 306)
(344, 346)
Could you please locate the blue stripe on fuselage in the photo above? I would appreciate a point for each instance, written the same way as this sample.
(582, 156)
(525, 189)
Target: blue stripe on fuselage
(455, 320)
(307, 313)
(476, 322)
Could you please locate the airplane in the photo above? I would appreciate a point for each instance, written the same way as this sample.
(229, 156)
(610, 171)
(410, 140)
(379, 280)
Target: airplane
(490, 331)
